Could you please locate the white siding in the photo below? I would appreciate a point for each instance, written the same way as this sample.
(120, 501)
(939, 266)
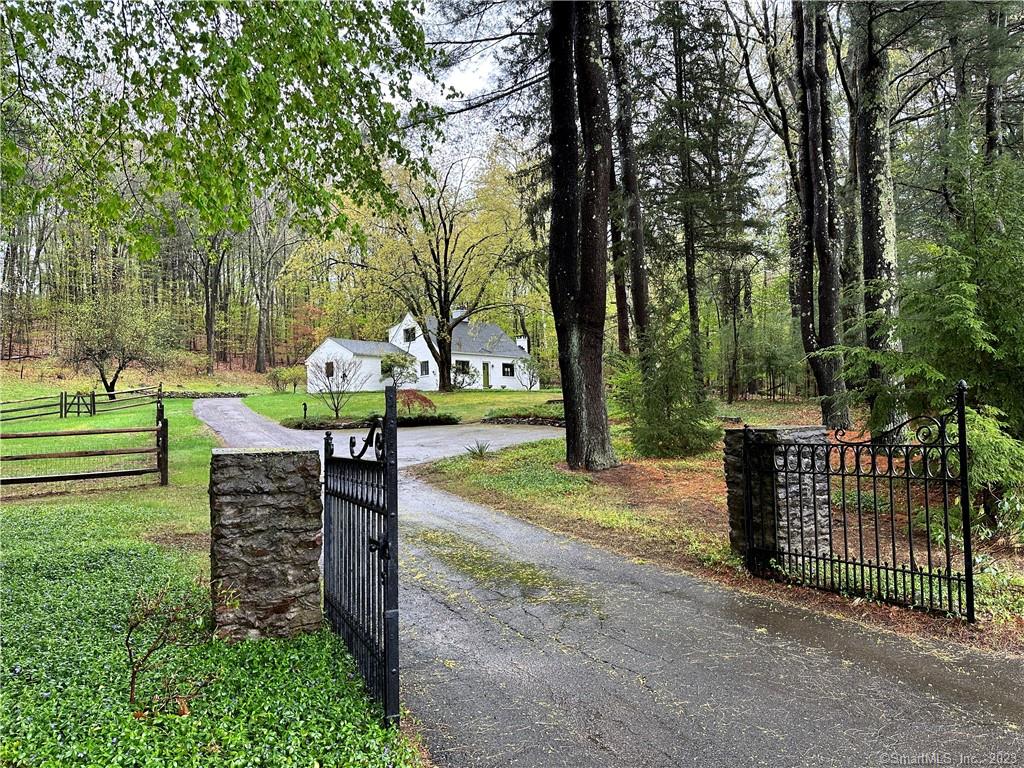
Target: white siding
(367, 372)
(497, 380)
(417, 348)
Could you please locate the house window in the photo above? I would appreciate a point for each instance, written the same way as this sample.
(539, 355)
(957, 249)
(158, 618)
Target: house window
(329, 369)
(462, 366)
(424, 367)
(508, 369)
(409, 334)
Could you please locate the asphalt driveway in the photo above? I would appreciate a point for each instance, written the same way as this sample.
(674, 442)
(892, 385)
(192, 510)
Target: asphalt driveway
(521, 647)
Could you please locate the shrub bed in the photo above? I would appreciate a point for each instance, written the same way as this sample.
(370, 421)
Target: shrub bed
(537, 421)
(427, 419)
(551, 414)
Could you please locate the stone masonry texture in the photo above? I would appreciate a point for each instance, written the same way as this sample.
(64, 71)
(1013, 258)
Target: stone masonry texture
(789, 489)
(265, 543)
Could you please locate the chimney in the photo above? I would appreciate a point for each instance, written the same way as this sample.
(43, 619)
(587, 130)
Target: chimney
(523, 343)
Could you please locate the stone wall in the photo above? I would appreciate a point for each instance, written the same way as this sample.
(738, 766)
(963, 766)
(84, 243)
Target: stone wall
(266, 538)
(788, 488)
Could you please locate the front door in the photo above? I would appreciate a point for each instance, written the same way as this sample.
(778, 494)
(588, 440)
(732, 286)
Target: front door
(487, 375)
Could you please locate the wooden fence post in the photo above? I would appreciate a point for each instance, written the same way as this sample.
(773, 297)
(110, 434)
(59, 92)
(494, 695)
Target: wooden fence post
(162, 445)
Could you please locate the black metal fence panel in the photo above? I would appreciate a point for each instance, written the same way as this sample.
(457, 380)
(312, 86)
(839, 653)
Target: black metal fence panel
(886, 518)
(361, 553)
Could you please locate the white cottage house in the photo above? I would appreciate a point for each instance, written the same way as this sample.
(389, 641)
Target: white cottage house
(480, 347)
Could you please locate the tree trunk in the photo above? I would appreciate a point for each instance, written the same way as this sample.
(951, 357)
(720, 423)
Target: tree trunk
(221, 292)
(578, 233)
(689, 220)
(109, 385)
(443, 358)
(797, 241)
(818, 225)
(851, 270)
(618, 267)
(271, 339)
(209, 317)
(994, 84)
(630, 182)
(261, 338)
(878, 208)
(732, 298)
(213, 257)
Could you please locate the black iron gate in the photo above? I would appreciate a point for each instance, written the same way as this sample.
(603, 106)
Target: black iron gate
(361, 553)
(887, 518)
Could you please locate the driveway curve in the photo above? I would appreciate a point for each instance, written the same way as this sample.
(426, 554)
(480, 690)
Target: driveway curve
(521, 647)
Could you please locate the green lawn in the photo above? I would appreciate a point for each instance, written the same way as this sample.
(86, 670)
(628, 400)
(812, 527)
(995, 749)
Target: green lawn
(468, 405)
(72, 566)
(473, 405)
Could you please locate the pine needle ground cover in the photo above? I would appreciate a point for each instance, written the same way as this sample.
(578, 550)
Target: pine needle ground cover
(72, 567)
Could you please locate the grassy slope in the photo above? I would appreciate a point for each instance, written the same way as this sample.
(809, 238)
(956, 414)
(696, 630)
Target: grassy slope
(71, 568)
(469, 405)
(39, 378)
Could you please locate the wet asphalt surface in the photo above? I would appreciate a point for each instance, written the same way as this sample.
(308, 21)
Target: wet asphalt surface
(614, 663)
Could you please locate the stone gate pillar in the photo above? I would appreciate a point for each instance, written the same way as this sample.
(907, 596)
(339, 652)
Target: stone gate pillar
(266, 534)
(788, 487)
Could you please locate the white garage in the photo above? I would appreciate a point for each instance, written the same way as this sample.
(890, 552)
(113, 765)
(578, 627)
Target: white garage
(350, 361)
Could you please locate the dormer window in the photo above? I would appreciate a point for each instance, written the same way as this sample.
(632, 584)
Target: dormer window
(409, 334)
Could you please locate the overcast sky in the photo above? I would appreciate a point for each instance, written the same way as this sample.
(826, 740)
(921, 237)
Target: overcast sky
(469, 133)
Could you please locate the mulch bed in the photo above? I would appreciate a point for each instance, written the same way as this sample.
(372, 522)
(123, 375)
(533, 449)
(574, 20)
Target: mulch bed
(180, 541)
